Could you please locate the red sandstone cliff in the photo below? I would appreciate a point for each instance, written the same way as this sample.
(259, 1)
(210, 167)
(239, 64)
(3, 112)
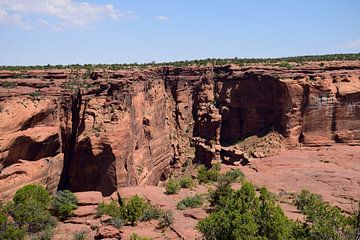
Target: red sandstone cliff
(123, 128)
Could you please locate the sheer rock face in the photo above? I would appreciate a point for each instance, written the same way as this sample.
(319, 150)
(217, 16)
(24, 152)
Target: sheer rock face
(124, 128)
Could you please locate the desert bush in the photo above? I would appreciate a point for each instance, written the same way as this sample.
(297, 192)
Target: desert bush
(186, 182)
(223, 189)
(8, 84)
(243, 215)
(29, 209)
(35, 94)
(112, 209)
(1, 108)
(36, 193)
(166, 219)
(322, 220)
(135, 208)
(46, 234)
(82, 235)
(230, 177)
(9, 230)
(135, 236)
(205, 175)
(63, 203)
(190, 202)
(117, 221)
(285, 64)
(150, 213)
(32, 216)
(172, 187)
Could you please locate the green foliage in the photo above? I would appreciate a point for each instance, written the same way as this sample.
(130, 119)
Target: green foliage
(46, 234)
(135, 236)
(223, 189)
(134, 209)
(166, 219)
(112, 209)
(172, 187)
(63, 203)
(285, 64)
(230, 177)
(31, 215)
(35, 94)
(32, 192)
(150, 213)
(322, 220)
(29, 211)
(9, 230)
(243, 215)
(190, 202)
(117, 221)
(8, 85)
(82, 235)
(202, 62)
(208, 175)
(186, 182)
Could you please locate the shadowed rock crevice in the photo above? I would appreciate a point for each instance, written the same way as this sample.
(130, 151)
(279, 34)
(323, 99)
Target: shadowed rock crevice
(70, 134)
(91, 171)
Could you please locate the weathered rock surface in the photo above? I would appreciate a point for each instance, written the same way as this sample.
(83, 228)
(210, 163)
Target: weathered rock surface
(126, 128)
(333, 173)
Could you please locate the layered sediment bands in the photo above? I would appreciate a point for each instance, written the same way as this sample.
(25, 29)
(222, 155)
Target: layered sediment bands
(123, 128)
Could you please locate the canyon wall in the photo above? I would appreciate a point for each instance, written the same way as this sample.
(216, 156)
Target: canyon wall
(110, 129)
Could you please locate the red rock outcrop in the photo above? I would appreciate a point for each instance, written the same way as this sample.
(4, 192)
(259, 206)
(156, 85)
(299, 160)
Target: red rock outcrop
(120, 128)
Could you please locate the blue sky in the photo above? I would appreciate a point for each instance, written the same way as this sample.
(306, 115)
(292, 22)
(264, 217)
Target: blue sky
(124, 31)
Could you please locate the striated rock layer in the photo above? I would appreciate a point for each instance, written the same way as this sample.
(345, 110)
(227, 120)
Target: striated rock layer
(113, 129)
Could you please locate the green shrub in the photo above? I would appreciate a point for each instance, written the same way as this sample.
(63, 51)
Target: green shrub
(223, 189)
(46, 234)
(135, 208)
(82, 235)
(190, 202)
(63, 204)
(34, 95)
(150, 213)
(166, 219)
(307, 199)
(117, 221)
(243, 215)
(135, 236)
(324, 221)
(112, 209)
(172, 187)
(8, 84)
(32, 192)
(9, 230)
(231, 176)
(31, 215)
(186, 182)
(286, 65)
(208, 175)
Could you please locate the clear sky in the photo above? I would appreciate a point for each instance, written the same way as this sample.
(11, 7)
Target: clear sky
(124, 31)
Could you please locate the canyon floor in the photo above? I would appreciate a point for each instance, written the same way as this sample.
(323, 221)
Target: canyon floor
(333, 172)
